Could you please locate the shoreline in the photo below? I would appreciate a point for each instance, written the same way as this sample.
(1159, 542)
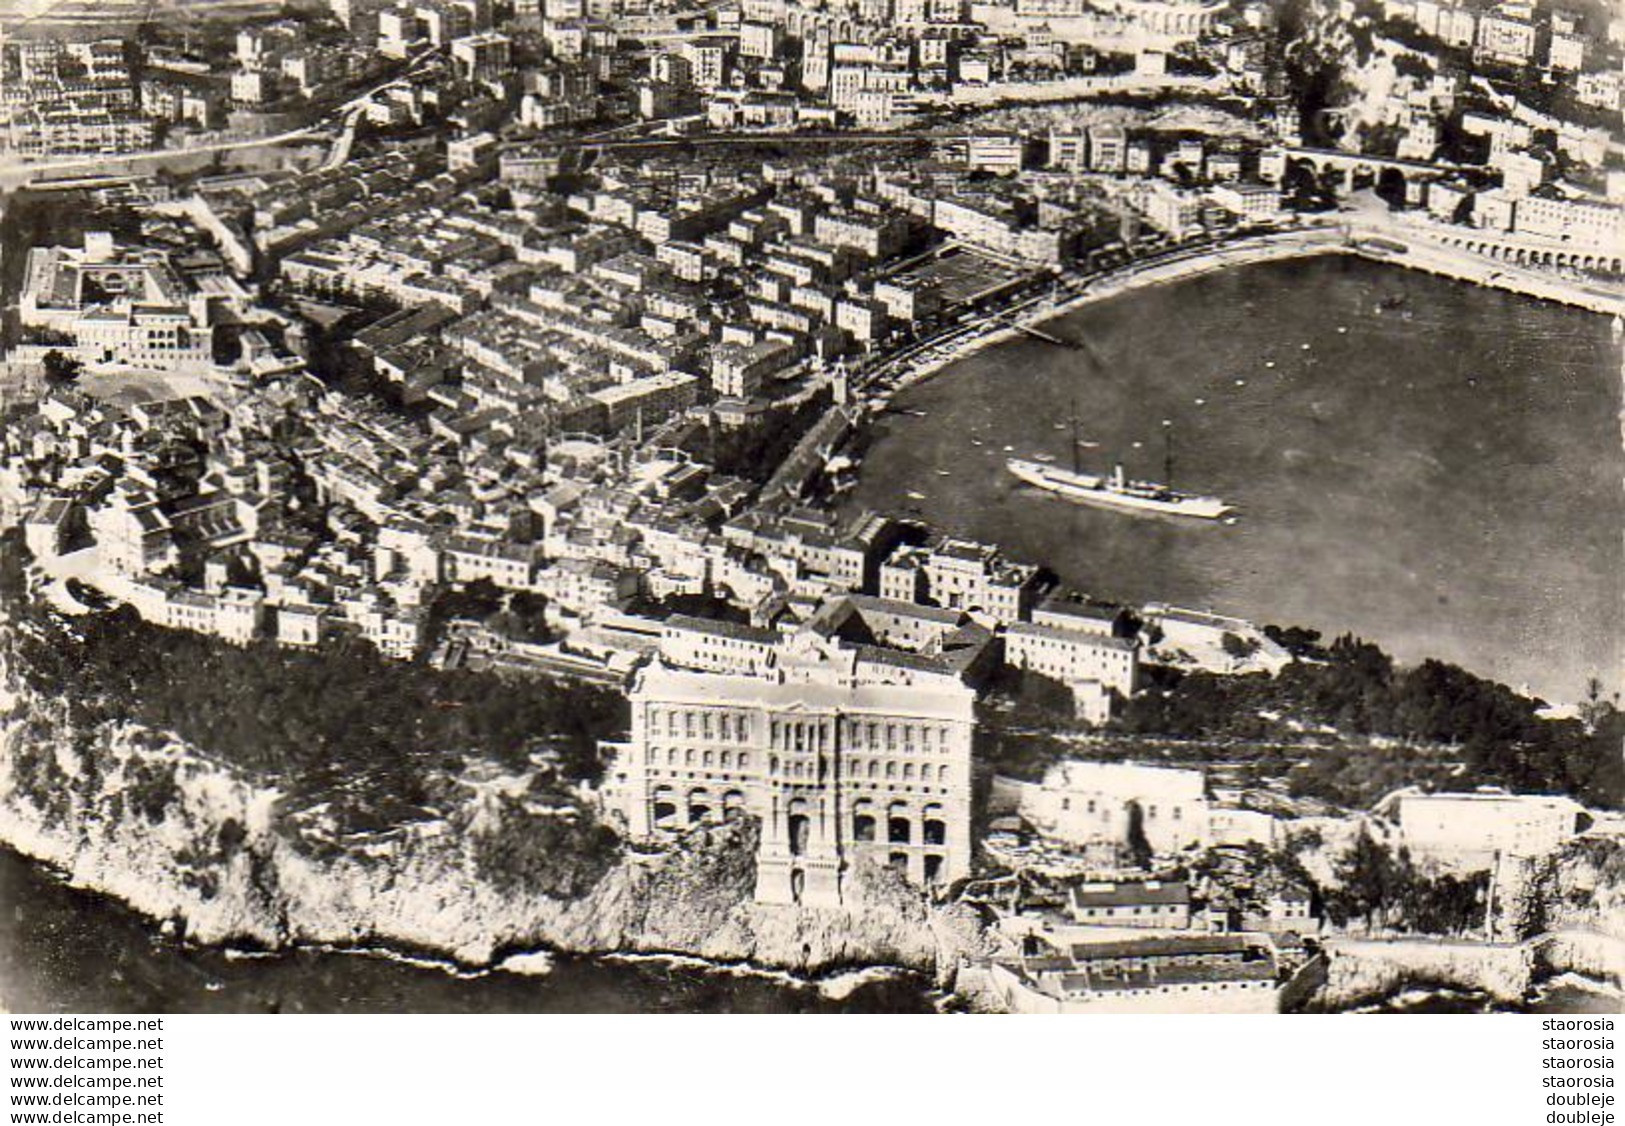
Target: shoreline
(437, 905)
(1143, 279)
(833, 984)
(1421, 256)
(1038, 311)
(168, 937)
(1475, 975)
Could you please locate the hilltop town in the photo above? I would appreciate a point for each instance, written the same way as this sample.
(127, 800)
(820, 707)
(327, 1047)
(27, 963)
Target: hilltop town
(537, 344)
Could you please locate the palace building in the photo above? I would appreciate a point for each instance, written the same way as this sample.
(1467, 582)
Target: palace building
(847, 748)
(117, 305)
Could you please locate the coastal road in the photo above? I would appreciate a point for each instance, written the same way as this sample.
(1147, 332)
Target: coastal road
(1072, 289)
(1339, 235)
(1370, 218)
(723, 140)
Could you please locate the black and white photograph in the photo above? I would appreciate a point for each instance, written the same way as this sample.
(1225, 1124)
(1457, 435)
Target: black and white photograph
(936, 507)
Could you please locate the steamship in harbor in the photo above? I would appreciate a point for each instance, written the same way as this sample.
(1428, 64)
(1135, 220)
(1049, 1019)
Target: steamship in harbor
(1117, 490)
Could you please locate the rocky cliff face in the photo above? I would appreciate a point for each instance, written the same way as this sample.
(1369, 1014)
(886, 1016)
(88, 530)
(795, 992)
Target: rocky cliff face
(1563, 912)
(153, 822)
(1577, 887)
(1364, 971)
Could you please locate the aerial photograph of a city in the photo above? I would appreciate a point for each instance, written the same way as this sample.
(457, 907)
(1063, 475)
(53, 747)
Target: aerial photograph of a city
(812, 506)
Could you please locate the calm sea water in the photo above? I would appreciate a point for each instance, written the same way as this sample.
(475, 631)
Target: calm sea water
(1441, 475)
(63, 949)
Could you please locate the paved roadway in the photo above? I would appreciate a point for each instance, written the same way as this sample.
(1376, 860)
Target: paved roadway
(706, 140)
(17, 174)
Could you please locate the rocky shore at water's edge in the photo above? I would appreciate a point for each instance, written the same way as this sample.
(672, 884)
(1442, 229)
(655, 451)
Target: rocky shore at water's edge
(212, 861)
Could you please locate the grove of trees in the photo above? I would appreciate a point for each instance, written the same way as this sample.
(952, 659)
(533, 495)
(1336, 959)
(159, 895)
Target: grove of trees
(1383, 888)
(1355, 689)
(374, 743)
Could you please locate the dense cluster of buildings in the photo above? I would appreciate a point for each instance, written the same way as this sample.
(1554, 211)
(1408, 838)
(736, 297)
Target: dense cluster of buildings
(567, 330)
(109, 96)
(61, 98)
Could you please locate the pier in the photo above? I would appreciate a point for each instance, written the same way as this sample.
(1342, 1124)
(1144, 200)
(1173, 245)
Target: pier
(1047, 338)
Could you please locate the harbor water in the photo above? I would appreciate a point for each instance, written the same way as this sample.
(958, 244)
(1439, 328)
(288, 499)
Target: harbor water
(1430, 465)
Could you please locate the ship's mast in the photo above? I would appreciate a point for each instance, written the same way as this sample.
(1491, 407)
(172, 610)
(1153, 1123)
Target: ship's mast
(1076, 468)
(1168, 452)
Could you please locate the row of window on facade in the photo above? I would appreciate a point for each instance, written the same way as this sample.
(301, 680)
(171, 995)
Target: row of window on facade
(794, 735)
(1105, 808)
(892, 771)
(708, 759)
(873, 769)
(869, 736)
(723, 726)
(1153, 910)
(909, 736)
(1160, 990)
(931, 869)
(899, 830)
(700, 808)
(867, 824)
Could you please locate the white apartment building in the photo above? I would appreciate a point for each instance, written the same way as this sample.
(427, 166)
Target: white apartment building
(1159, 904)
(1506, 39)
(1075, 658)
(1251, 203)
(1597, 225)
(1069, 150)
(1516, 824)
(708, 645)
(961, 575)
(1081, 802)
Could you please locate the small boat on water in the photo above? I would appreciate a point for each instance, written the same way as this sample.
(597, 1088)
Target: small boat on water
(916, 496)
